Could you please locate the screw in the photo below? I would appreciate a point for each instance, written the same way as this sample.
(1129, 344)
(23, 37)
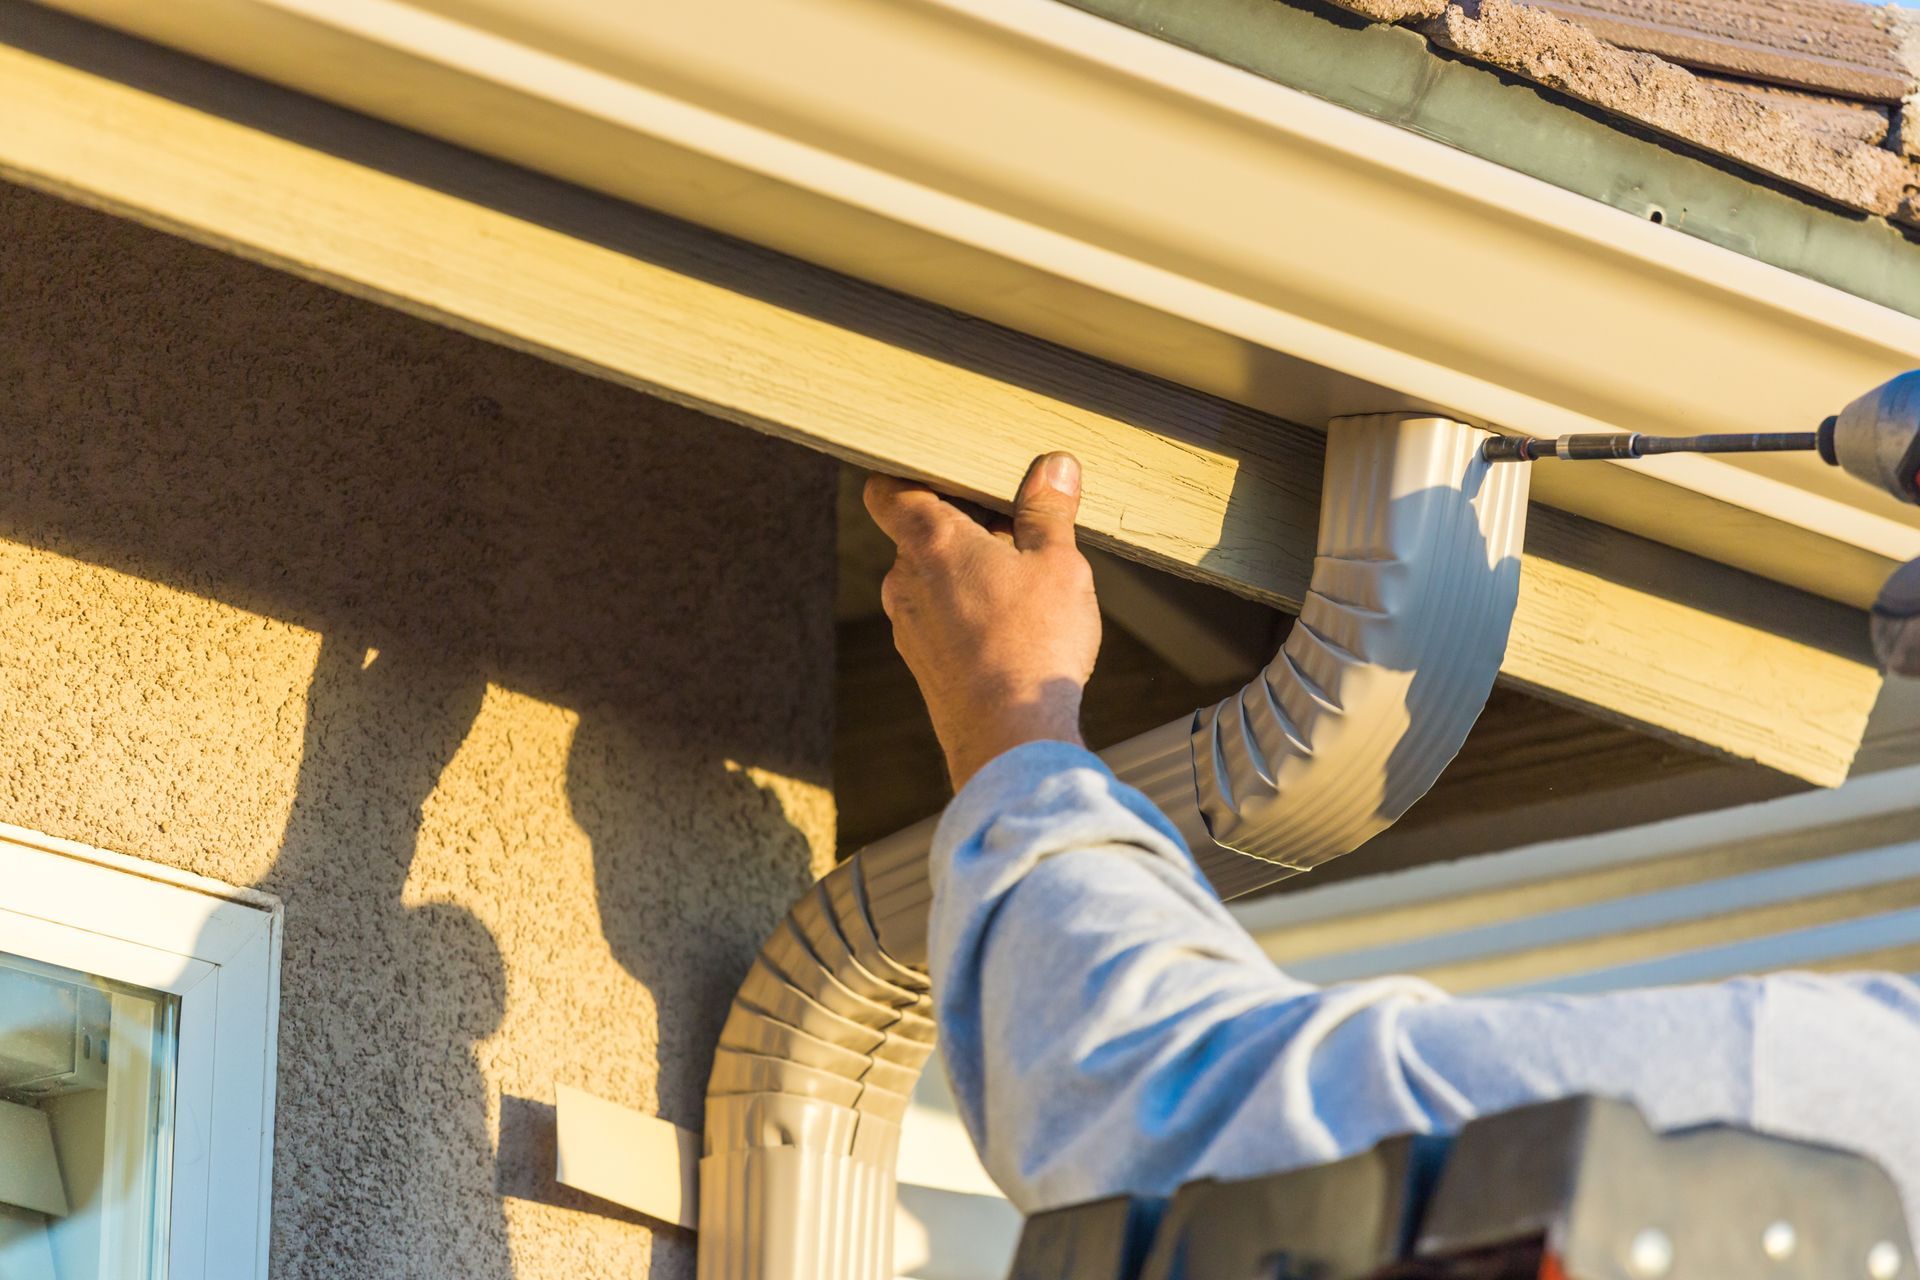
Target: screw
(1651, 1255)
(1778, 1240)
(1883, 1260)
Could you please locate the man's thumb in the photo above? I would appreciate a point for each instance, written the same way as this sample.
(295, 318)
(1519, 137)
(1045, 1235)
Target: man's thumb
(1048, 501)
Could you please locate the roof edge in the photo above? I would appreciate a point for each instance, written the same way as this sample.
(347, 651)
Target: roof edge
(1546, 48)
(1371, 57)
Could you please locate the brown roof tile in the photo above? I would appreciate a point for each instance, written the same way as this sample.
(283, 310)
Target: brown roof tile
(1842, 120)
(1836, 46)
(1852, 151)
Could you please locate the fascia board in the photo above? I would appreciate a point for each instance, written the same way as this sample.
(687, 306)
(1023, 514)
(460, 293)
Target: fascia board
(1082, 182)
(1637, 632)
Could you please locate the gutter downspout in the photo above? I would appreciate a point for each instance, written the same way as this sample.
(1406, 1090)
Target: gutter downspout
(1393, 657)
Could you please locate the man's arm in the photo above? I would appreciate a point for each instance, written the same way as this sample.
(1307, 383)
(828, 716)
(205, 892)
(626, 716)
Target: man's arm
(1109, 1027)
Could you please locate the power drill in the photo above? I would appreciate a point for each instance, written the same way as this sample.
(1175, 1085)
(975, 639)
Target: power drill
(1875, 439)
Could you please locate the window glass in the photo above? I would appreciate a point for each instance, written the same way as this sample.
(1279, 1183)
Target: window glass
(86, 1110)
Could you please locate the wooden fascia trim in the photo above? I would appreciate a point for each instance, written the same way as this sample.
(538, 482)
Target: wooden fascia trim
(1178, 480)
(1069, 178)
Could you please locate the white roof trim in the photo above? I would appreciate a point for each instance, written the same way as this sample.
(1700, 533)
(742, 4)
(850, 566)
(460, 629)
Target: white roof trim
(1821, 879)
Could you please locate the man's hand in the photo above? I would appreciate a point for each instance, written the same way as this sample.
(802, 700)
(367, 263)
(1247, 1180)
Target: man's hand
(997, 622)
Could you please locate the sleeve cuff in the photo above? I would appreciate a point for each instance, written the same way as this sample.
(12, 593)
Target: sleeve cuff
(1043, 798)
(1005, 781)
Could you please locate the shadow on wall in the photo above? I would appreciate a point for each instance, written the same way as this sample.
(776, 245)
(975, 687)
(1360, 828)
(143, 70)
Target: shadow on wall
(447, 516)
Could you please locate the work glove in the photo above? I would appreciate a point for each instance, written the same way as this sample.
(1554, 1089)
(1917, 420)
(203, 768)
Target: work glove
(1896, 623)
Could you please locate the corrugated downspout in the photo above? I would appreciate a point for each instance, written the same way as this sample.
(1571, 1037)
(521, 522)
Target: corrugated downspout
(1396, 649)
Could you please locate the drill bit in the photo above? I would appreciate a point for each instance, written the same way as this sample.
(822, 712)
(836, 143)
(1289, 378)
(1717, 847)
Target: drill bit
(1635, 445)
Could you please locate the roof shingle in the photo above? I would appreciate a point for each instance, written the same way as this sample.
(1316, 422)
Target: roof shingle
(1853, 148)
(1835, 46)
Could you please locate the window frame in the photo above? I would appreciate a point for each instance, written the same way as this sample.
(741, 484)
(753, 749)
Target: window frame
(215, 947)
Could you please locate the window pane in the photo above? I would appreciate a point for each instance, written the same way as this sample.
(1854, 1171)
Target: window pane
(86, 1114)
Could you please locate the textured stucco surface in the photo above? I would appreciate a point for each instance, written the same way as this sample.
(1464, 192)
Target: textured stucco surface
(516, 687)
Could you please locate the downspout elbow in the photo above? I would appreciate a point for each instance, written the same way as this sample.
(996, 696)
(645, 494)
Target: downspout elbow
(1405, 625)
(1395, 652)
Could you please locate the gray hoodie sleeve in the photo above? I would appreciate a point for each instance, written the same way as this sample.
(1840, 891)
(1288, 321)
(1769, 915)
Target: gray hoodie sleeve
(1109, 1028)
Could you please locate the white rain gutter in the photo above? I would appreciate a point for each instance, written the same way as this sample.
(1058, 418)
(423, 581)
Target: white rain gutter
(1396, 650)
(1057, 173)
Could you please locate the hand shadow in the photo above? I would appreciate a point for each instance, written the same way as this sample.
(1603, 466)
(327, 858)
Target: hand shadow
(387, 1043)
(487, 521)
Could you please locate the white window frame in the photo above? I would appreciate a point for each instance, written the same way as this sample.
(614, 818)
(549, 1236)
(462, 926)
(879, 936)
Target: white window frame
(215, 947)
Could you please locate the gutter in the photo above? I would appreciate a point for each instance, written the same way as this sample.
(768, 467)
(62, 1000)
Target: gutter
(1370, 697)
(1064, 176)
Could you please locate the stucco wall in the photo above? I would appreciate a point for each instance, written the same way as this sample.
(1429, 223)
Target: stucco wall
(513, 685)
